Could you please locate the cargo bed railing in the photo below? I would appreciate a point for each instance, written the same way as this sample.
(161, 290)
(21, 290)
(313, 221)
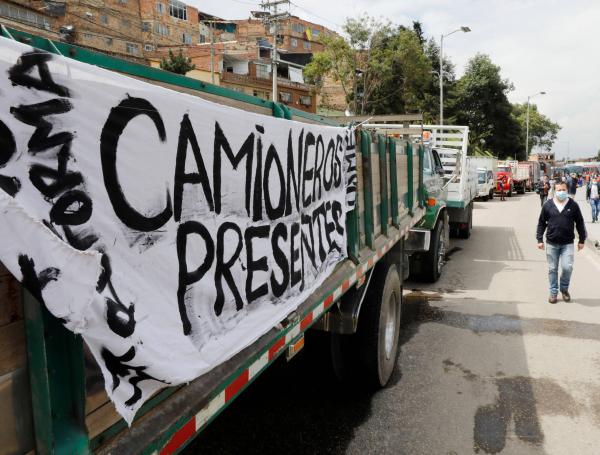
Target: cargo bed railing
(387, 208)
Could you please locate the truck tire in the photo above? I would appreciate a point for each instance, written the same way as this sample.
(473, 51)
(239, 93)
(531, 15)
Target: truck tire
(465, 232)
(379, 328)
(491, 194)
(433, 260)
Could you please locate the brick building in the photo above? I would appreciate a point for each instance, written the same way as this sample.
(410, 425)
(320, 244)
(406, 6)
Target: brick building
(294, 35)
(125, 28)
(32, 16)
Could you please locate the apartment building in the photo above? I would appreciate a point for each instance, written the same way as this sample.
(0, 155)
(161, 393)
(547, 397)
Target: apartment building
(294, 35)
(32, 16)
(125, 28)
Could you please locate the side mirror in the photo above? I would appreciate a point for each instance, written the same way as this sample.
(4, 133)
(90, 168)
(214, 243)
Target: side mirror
(439, 170)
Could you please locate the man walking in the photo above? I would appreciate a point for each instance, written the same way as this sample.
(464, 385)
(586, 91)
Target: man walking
(593, 195)
(558, 219)
(543, 189)
(572, 185)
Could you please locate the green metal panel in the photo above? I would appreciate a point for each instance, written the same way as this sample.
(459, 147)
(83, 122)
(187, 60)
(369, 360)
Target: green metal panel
(365, 151)
(456, 204)
(394, 181)
(410, 200)
(421, 189)
(383, 186)
(57, 377)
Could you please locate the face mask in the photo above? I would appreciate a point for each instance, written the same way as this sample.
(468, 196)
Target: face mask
(561, 195)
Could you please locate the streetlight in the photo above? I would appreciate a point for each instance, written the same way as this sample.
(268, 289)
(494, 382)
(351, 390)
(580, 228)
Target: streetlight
(527, 123)
(464, 30)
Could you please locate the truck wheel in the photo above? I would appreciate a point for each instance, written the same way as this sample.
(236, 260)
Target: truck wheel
(465, 232)
(433, 260)
(379, 327)
(491, 194)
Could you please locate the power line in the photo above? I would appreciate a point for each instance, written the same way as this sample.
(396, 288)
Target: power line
(315, 15)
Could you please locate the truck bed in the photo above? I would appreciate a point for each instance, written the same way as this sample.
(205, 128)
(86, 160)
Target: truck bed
(388, 204)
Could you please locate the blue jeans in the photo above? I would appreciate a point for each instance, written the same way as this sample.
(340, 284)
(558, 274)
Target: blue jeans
(595, 203)
(564, 253)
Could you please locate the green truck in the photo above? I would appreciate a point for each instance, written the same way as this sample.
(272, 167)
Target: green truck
(52, 391)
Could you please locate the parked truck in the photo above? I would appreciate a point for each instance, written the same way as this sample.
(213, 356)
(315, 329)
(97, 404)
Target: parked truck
(460, 170)
(487, 168)
(52, 389)
(504, 177)
(521, 175)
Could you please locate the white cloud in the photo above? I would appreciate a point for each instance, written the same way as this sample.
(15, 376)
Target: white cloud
(549, 45)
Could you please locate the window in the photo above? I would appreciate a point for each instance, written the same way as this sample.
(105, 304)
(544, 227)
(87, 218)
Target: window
(305, 100)
(178, 10)
(109, 41)
(104, 18)
(131, 48)
(123, 2)
(23, 15)
(306, 45)
(286, 97)
(202, 38)
(427, 163)
(148, 47)
(298, 28)
(263, 71)
(160, 8)
(87, 36)
(293, 42)
(315, 33)
(186, 38)
(125, 23)
(146, 26)
(161, 29)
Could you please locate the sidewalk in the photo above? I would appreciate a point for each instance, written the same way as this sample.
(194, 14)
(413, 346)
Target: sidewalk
(593, 229)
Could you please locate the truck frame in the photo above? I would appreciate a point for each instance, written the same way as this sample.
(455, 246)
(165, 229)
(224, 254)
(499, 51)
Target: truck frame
(71, 414)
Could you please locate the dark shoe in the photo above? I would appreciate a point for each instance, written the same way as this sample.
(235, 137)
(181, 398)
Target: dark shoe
(552, 299)
(566, 296)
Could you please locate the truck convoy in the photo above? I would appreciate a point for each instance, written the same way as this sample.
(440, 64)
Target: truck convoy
(524, 175)
(403, 196)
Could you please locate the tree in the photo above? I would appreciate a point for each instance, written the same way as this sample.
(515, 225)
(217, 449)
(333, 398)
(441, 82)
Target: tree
(542, 131)
(358, 63)
(482, 104)
(179, 63)
(404, 87)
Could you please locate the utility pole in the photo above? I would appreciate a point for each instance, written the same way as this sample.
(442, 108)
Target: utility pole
(212, 52)
(271, 18)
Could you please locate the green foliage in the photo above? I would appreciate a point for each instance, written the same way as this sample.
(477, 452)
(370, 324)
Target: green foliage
(542, 131)
(179, 63)
(482, 104)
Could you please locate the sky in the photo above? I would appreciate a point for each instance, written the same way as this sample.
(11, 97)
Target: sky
(540, 45)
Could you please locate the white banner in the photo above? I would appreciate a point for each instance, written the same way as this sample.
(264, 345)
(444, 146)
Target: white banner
(171, 232)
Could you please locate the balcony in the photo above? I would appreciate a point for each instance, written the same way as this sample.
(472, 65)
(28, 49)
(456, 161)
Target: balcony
(245, 79)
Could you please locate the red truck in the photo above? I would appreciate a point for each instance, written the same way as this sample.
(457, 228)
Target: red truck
(504, 177)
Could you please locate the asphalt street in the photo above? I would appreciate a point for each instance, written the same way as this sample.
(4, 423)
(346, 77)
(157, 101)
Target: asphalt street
(486, 364)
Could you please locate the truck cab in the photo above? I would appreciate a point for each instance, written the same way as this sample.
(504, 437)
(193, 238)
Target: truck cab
(485, 184)
(504, 176)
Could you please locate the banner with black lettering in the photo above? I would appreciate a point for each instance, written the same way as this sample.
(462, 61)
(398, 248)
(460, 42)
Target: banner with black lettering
(170, 231)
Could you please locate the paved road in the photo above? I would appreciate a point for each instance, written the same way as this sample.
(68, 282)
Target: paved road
(486, 365)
